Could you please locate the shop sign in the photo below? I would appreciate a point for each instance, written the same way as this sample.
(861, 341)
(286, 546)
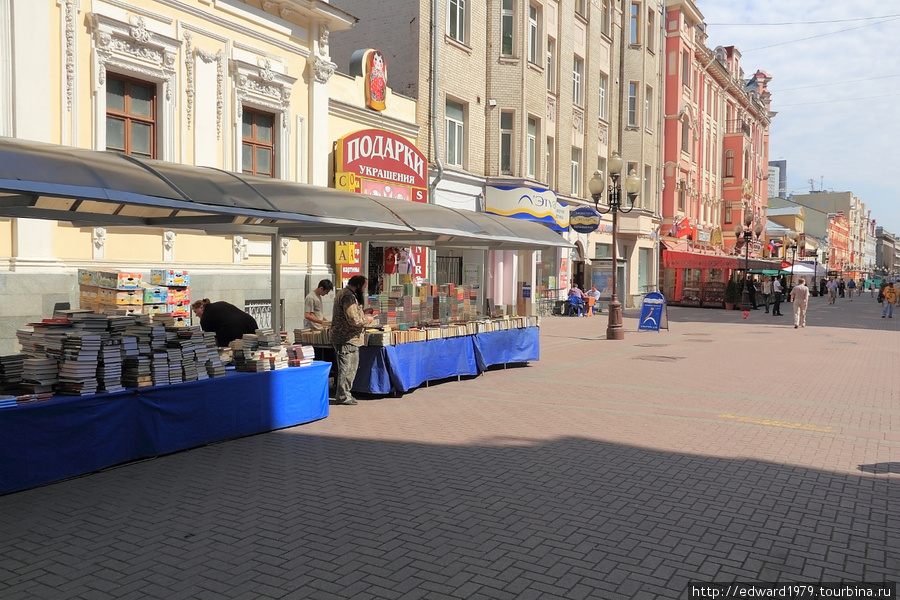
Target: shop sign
(383, 156)
(526, 290)
(584, 219)
(381, 163)
(652, 312)
(530, 204)
(716, 237)
(703, 236)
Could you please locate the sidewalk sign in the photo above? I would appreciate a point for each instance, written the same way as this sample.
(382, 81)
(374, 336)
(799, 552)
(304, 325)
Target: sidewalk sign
(654, 313)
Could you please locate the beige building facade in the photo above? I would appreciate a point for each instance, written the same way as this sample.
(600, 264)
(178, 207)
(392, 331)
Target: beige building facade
(245, 86)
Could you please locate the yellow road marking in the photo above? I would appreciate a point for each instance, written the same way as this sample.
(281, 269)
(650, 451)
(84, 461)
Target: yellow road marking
(774, 423)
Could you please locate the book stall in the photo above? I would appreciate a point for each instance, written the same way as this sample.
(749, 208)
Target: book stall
(427, 333)
(108, 383)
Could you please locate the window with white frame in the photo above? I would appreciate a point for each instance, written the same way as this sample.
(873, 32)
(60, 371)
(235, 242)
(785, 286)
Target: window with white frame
(603, 97)
(576, 171)
(130, 116)
(635, 20)
(455, 118)
(685, 135)
(507, 136)
(632, 103)
(531, 147)
(648, 107)
(507, 27)
(551, 64)
(581, 7)
(577, 81)
(686, 68)
(456, 20)
(651, 29)
(534, 33)
(728, 216)
(729, 163)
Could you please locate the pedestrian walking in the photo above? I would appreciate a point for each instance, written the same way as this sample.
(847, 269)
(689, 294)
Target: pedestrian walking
(800, 300)
(822, 289)
(767, 293)
(777, 290)
(832, 290)
(841, 287)
(890, 297)
(872, 288)
(851, 287)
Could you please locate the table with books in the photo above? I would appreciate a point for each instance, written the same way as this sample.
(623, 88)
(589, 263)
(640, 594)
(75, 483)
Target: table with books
(397, 361)
(91, 390)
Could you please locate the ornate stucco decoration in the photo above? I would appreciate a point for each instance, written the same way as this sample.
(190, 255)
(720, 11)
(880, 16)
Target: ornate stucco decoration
(168, 240)
(261, 85)
(324, 68)
(551, 109)
(219, 59)
(98, 236)
(285, 245)
(603, 134)
(189, 71)
(133, 48)
(578, 121)
(70, 10)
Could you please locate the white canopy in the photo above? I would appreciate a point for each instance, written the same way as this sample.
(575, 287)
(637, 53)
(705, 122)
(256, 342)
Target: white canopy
(805, 269)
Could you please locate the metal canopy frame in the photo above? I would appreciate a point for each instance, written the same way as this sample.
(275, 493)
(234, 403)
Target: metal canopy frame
(90, 188)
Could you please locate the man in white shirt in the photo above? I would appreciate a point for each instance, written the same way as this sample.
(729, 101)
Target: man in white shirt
(800, 300)
(832, 287)
(313, 317)
(778, 291)
(767, 293)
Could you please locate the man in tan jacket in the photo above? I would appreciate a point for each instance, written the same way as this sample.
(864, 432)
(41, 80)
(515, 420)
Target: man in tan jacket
(800, 300)
(348, 326)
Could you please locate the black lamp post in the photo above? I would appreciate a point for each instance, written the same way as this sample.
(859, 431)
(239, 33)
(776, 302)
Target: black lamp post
(748, 233)
(614, 205)
(793, 257)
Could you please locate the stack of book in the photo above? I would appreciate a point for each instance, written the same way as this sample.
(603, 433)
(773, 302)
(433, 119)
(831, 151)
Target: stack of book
(300, 355)
(318, 337)
(136, 371)
(39, 375)
(80, 363)
(109, 369)
(175, 360)
(159, 367)
(11, 373)
(8, 401)
(250, 361)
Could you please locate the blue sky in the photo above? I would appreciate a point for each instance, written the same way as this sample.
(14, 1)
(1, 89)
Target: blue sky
(836, 93)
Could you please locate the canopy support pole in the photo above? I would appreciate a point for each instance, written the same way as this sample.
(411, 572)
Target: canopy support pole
(275, 264)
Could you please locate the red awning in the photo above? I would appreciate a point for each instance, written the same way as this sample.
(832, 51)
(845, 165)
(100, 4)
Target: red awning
(693, 260)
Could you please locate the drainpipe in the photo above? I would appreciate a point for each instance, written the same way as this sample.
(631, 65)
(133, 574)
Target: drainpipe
(435, 39)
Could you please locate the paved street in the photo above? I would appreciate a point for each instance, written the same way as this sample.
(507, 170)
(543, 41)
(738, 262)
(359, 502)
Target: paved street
(720, 450)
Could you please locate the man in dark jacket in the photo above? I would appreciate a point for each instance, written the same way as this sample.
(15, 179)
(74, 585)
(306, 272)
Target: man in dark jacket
(226, 320)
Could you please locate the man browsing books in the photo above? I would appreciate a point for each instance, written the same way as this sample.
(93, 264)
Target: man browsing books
(313, 318)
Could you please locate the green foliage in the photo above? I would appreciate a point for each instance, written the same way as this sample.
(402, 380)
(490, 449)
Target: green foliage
(733, 292)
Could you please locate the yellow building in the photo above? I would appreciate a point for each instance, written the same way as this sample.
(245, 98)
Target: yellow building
(245, 86)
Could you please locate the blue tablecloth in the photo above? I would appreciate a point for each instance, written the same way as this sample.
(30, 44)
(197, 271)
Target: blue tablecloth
(510, 346)
(410, 365)
(68, 436)
(398, 369)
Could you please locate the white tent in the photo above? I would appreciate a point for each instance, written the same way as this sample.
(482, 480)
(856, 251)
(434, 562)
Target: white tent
(805, 269)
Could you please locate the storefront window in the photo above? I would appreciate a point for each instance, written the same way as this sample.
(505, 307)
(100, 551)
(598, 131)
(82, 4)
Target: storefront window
(548, 271)
(602, 250)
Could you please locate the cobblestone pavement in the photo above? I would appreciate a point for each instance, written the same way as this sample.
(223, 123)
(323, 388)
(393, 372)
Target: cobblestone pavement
(723, 449)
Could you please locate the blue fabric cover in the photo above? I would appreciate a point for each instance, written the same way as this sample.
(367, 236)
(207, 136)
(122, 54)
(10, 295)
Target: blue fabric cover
(410, 365)
(398, 369)
(510, 346)
(68, 436)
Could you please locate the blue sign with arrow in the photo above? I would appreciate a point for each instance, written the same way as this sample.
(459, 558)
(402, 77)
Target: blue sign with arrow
(652, 312)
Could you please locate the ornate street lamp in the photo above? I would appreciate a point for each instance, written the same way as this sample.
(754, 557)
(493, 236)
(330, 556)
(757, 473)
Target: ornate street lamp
(747, 233)
(614, 205)
(793, 242)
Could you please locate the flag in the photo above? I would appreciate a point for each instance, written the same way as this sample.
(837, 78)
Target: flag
(684, 228)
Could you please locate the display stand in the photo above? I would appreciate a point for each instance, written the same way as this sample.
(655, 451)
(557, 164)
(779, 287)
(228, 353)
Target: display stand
(68, 436)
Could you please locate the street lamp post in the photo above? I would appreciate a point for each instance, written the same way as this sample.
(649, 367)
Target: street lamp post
(614, 205)
(748, 233)
(793, 258)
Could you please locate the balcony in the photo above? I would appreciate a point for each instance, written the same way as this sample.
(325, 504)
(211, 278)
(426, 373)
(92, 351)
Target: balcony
(737, 126)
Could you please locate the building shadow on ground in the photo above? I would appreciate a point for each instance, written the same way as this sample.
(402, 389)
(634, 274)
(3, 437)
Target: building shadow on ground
(292, 515)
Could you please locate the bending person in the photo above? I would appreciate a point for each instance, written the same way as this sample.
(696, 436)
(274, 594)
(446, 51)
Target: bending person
(226, 320)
